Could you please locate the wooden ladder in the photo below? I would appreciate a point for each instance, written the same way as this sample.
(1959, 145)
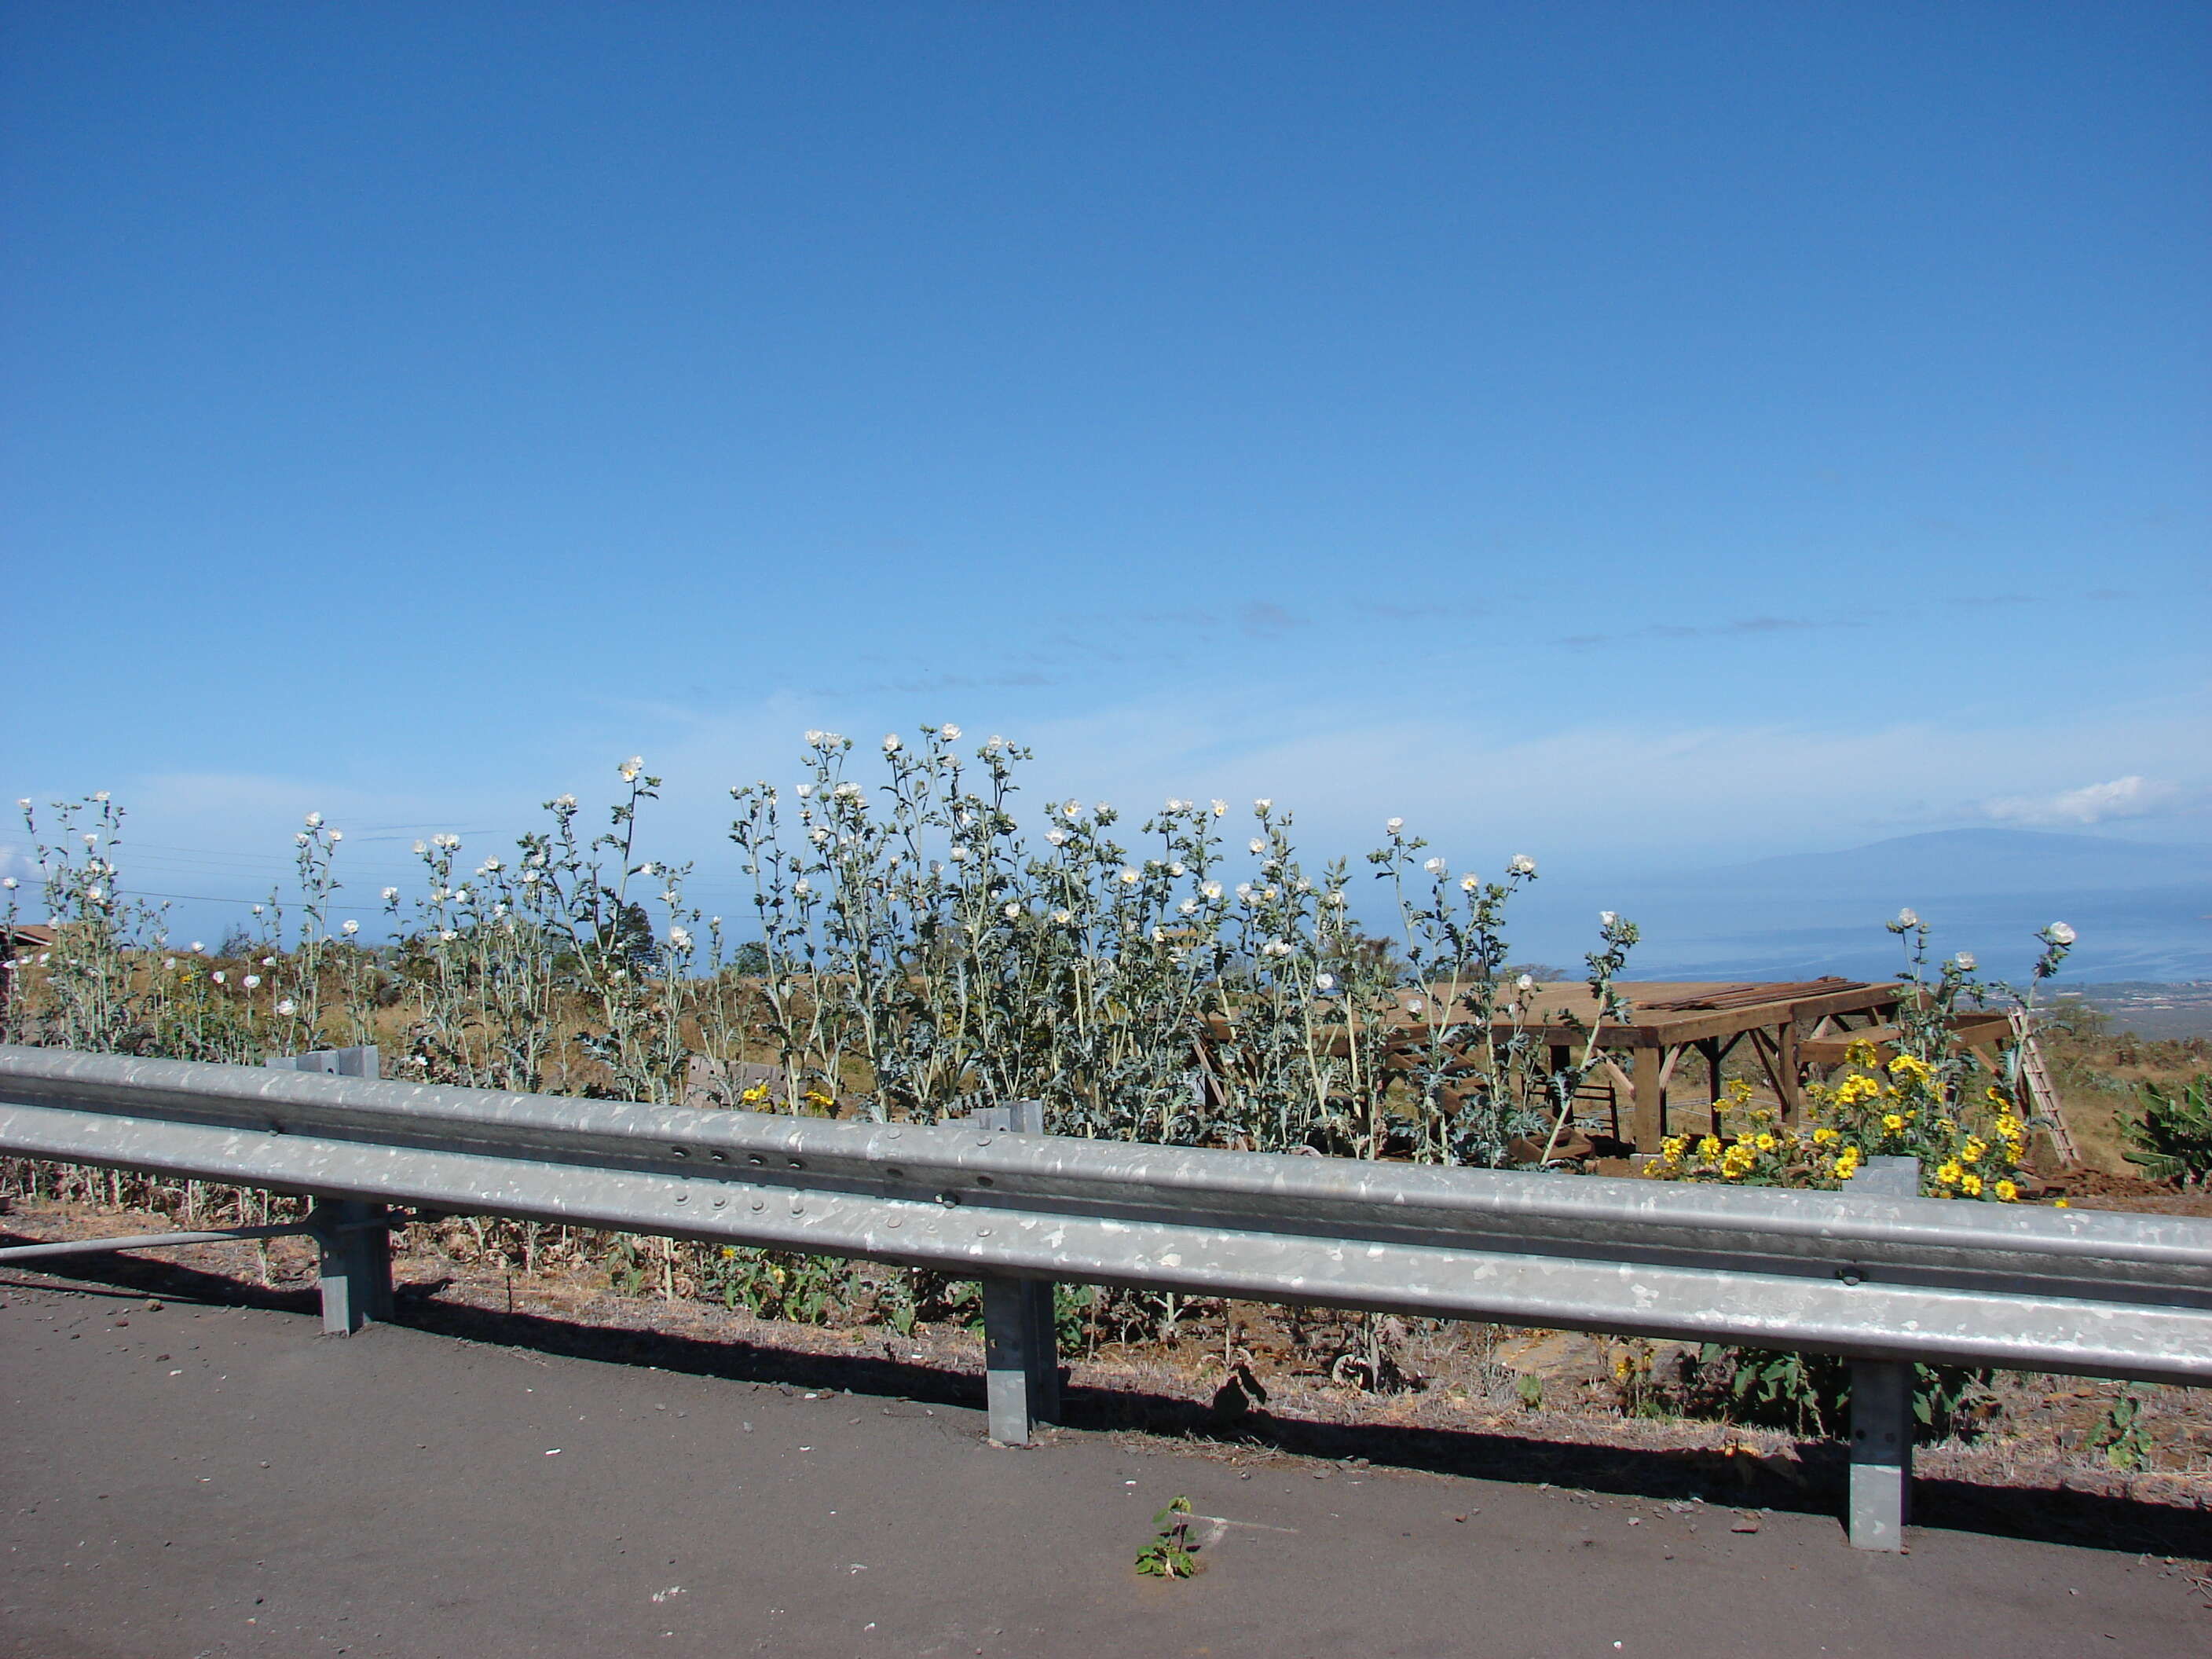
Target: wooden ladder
(2042, 1094)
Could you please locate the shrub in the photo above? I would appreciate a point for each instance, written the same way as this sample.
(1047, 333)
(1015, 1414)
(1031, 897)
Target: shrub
(2172, 1139)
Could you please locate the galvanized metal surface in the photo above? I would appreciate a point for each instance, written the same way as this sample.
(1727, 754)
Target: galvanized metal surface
(145, 1242)
(1874, 1278)
(1875, 1509)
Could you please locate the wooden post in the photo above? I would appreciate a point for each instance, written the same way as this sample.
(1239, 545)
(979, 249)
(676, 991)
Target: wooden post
(1648, 1112)
(1711, 1049)
(1786, 1078)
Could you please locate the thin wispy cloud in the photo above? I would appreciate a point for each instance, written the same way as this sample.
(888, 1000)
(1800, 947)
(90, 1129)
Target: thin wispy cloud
(1263, 619)
(1737, 627)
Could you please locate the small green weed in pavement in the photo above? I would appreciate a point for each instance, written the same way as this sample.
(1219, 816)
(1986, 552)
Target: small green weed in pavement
(1169, 1554)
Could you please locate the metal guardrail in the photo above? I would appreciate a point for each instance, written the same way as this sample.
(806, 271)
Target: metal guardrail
(1885, 1279)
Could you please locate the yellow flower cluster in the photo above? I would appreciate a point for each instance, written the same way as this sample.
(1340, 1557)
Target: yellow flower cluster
(1897, 1107)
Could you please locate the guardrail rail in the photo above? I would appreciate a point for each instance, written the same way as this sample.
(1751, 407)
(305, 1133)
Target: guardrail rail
(1870, 1273)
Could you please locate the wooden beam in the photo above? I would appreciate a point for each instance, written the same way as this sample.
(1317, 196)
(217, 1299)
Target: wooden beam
(1647, 1123)
(1768, 1048)
(1787, 1078)
(1714, 1054)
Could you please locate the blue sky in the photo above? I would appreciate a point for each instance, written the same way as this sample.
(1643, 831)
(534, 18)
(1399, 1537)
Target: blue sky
(1641, 436)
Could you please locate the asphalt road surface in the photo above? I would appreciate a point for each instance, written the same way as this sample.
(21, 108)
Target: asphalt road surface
(200, 1479)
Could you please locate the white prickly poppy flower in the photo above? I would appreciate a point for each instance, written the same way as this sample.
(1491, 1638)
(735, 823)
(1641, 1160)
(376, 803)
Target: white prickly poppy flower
(1522, 865)
(252, 981)
(2060, 934)
(949, 731)
(630, 767)
(1392, 826)
(350, 928)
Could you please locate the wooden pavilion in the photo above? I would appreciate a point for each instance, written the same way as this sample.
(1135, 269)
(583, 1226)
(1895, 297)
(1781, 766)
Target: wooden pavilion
(1791, 1029)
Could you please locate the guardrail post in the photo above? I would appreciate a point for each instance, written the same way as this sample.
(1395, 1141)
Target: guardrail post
(356, 1263)
(1019, 1354)
(356, 1249)
(1021, 1339)
(1881, 1405)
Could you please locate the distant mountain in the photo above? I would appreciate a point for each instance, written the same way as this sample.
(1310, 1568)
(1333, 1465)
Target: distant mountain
(1956, 862)
(2143, 911)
